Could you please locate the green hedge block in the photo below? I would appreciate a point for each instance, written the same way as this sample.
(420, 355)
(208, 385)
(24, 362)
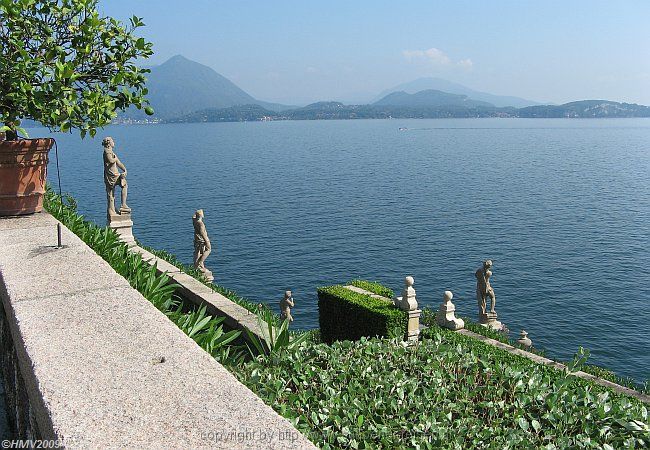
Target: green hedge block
(347, 315)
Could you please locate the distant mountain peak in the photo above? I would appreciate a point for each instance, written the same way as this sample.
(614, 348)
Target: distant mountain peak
(429, 98)
(443, 85)
(180, 86)
(178, 59)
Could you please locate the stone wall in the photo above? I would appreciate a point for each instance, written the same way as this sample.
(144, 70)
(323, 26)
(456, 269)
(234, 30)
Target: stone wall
(22, 423)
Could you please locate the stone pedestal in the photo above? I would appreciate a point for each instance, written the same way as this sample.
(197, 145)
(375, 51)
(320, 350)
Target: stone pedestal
(413, 327)
(489, 320)
(123, 225)
(446, 317)
(408, 302)
(208, 275)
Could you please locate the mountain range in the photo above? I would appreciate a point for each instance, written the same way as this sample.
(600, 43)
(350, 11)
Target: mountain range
(439, 84)
(181, 90)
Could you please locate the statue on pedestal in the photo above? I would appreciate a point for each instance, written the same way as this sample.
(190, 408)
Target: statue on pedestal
(483, 291)
(202, 245)
(113, 178)
(285, 306)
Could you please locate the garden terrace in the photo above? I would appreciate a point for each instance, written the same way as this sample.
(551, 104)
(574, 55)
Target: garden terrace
(90, 361)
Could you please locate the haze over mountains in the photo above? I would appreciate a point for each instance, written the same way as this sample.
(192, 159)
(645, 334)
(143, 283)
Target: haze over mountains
(439, 84)
(181, 90)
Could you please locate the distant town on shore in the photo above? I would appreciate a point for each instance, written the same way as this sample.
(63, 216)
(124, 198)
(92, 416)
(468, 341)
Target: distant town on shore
(184, 91)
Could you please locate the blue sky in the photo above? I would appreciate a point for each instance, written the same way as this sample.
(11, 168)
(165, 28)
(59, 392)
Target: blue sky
(301, 51)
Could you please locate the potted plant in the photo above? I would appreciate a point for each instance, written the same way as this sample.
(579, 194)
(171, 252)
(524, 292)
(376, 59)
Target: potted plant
(65, 66)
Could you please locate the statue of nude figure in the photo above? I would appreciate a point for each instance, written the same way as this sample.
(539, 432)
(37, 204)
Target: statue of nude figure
(285, 306)
(484, 289)
(202, 245)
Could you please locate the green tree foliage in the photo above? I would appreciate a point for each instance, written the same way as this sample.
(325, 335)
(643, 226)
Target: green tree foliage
(64, 65)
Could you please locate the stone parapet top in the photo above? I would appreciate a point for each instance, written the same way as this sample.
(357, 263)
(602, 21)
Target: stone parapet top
(236, 316)
(104, 368)
(549, 362)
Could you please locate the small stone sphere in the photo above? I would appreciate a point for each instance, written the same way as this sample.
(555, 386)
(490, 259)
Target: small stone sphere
(408, 281)
(447, 296)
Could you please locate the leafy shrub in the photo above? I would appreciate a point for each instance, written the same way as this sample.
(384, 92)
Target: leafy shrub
(276, 339)
(347, 315)
(67, 66)
(450, 391)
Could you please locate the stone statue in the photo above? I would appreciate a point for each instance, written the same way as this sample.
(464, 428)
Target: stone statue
(202, 245)
(285, 306)
(484, 289)
(113, 178)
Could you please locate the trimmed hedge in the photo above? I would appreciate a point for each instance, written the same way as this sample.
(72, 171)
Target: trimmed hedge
(374, 287)
(347, 315)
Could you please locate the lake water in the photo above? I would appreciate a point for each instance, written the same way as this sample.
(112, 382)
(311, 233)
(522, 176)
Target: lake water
(562, 207)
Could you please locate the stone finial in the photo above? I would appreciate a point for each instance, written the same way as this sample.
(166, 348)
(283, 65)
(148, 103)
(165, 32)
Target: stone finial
(409, 302)
(446, 317)
(524, 340)
(285, 306)
(202, 245)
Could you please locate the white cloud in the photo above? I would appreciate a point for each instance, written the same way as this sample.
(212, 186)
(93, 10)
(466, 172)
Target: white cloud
(437, 57)
(311, 69)
(465, 63)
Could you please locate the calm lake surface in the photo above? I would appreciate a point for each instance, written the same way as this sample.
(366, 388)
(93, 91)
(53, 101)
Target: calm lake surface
(561, 206)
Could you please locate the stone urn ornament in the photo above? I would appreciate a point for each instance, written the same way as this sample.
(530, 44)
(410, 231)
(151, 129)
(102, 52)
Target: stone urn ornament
(524, 340)
(446, 317)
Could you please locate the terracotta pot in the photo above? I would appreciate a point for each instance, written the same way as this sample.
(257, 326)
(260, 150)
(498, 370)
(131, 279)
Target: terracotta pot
(23, 171)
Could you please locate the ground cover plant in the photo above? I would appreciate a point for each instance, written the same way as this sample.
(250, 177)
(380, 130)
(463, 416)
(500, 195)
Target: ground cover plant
(450, 391)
